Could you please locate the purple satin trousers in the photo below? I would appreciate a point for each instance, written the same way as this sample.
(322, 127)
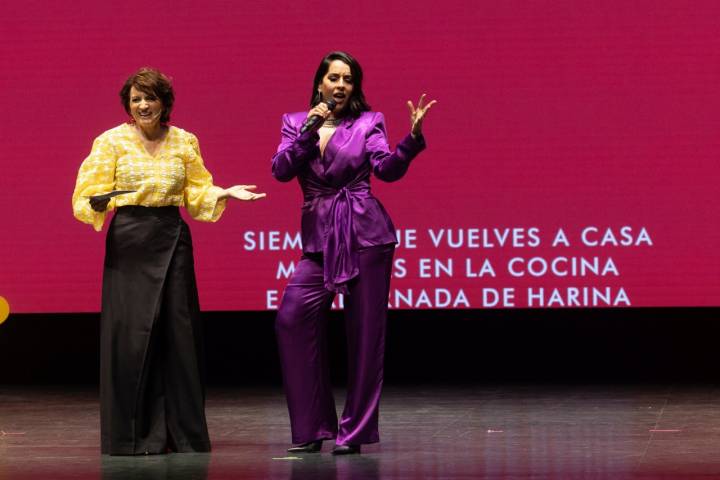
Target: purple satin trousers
(301, 328)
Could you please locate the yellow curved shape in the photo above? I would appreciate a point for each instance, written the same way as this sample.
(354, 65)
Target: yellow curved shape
(4, 309)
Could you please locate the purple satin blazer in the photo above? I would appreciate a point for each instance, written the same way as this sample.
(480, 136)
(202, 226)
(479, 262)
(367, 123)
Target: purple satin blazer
(339, 214)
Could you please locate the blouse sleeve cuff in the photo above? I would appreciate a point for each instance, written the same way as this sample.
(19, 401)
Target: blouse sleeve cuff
(98, 221)
(217, 205)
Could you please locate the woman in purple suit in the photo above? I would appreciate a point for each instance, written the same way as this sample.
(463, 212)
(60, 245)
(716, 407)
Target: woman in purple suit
(348, 244)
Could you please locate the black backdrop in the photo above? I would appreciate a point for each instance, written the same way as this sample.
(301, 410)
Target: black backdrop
(639, 345)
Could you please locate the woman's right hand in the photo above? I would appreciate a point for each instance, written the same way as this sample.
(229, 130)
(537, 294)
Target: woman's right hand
(320, 109)
(99, 204)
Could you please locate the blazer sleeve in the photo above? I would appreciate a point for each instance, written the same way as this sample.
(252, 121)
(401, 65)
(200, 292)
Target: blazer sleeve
(386, 165)
(294, 150)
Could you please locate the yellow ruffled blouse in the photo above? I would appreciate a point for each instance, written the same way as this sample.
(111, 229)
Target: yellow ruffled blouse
(175, 175)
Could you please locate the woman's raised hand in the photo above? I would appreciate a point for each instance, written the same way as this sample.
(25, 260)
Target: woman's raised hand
(417, 115)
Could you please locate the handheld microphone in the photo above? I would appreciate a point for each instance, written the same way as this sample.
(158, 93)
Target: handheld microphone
(314, 122)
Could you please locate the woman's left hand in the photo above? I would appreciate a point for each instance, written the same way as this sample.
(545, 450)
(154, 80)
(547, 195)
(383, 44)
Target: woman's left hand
(417, 115)
(242, 192)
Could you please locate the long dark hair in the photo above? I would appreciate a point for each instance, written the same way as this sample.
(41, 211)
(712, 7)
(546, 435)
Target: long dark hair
(357, 103)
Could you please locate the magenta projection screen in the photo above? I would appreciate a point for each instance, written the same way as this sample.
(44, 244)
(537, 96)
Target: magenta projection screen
(572, 161)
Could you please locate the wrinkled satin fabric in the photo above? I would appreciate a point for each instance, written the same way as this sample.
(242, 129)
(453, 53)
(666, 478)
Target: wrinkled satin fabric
(339, 212)
(301, 327)
(348, 244)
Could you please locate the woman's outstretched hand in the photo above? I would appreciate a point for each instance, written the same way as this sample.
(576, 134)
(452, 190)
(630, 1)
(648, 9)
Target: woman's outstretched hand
(417, 115)
(242, 192)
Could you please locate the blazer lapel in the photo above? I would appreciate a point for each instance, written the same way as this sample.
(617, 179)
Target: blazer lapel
(339, 139)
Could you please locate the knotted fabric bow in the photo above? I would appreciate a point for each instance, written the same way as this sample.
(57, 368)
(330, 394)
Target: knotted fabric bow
(339, 253)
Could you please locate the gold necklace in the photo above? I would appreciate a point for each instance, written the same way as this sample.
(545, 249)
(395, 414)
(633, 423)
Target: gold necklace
(331, 122)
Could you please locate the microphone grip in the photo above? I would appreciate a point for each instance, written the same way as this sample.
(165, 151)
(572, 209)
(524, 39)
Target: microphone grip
(311, 123)
(314, 122)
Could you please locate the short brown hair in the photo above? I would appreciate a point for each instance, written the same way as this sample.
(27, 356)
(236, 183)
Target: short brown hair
(153, 82)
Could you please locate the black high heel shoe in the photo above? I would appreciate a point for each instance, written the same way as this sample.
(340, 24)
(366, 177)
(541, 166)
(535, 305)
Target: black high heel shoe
(346, 449)
(308, 447)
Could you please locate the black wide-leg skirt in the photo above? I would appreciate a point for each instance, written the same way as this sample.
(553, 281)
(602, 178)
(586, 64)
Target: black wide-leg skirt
(152, 397)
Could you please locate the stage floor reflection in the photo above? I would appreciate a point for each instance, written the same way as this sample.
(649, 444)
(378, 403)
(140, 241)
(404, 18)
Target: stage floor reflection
(495, 432)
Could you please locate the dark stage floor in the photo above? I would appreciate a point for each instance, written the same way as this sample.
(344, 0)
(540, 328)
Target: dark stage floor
(427, 432)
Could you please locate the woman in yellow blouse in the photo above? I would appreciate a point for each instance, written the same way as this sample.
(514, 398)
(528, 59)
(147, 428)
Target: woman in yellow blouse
(151, 382)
